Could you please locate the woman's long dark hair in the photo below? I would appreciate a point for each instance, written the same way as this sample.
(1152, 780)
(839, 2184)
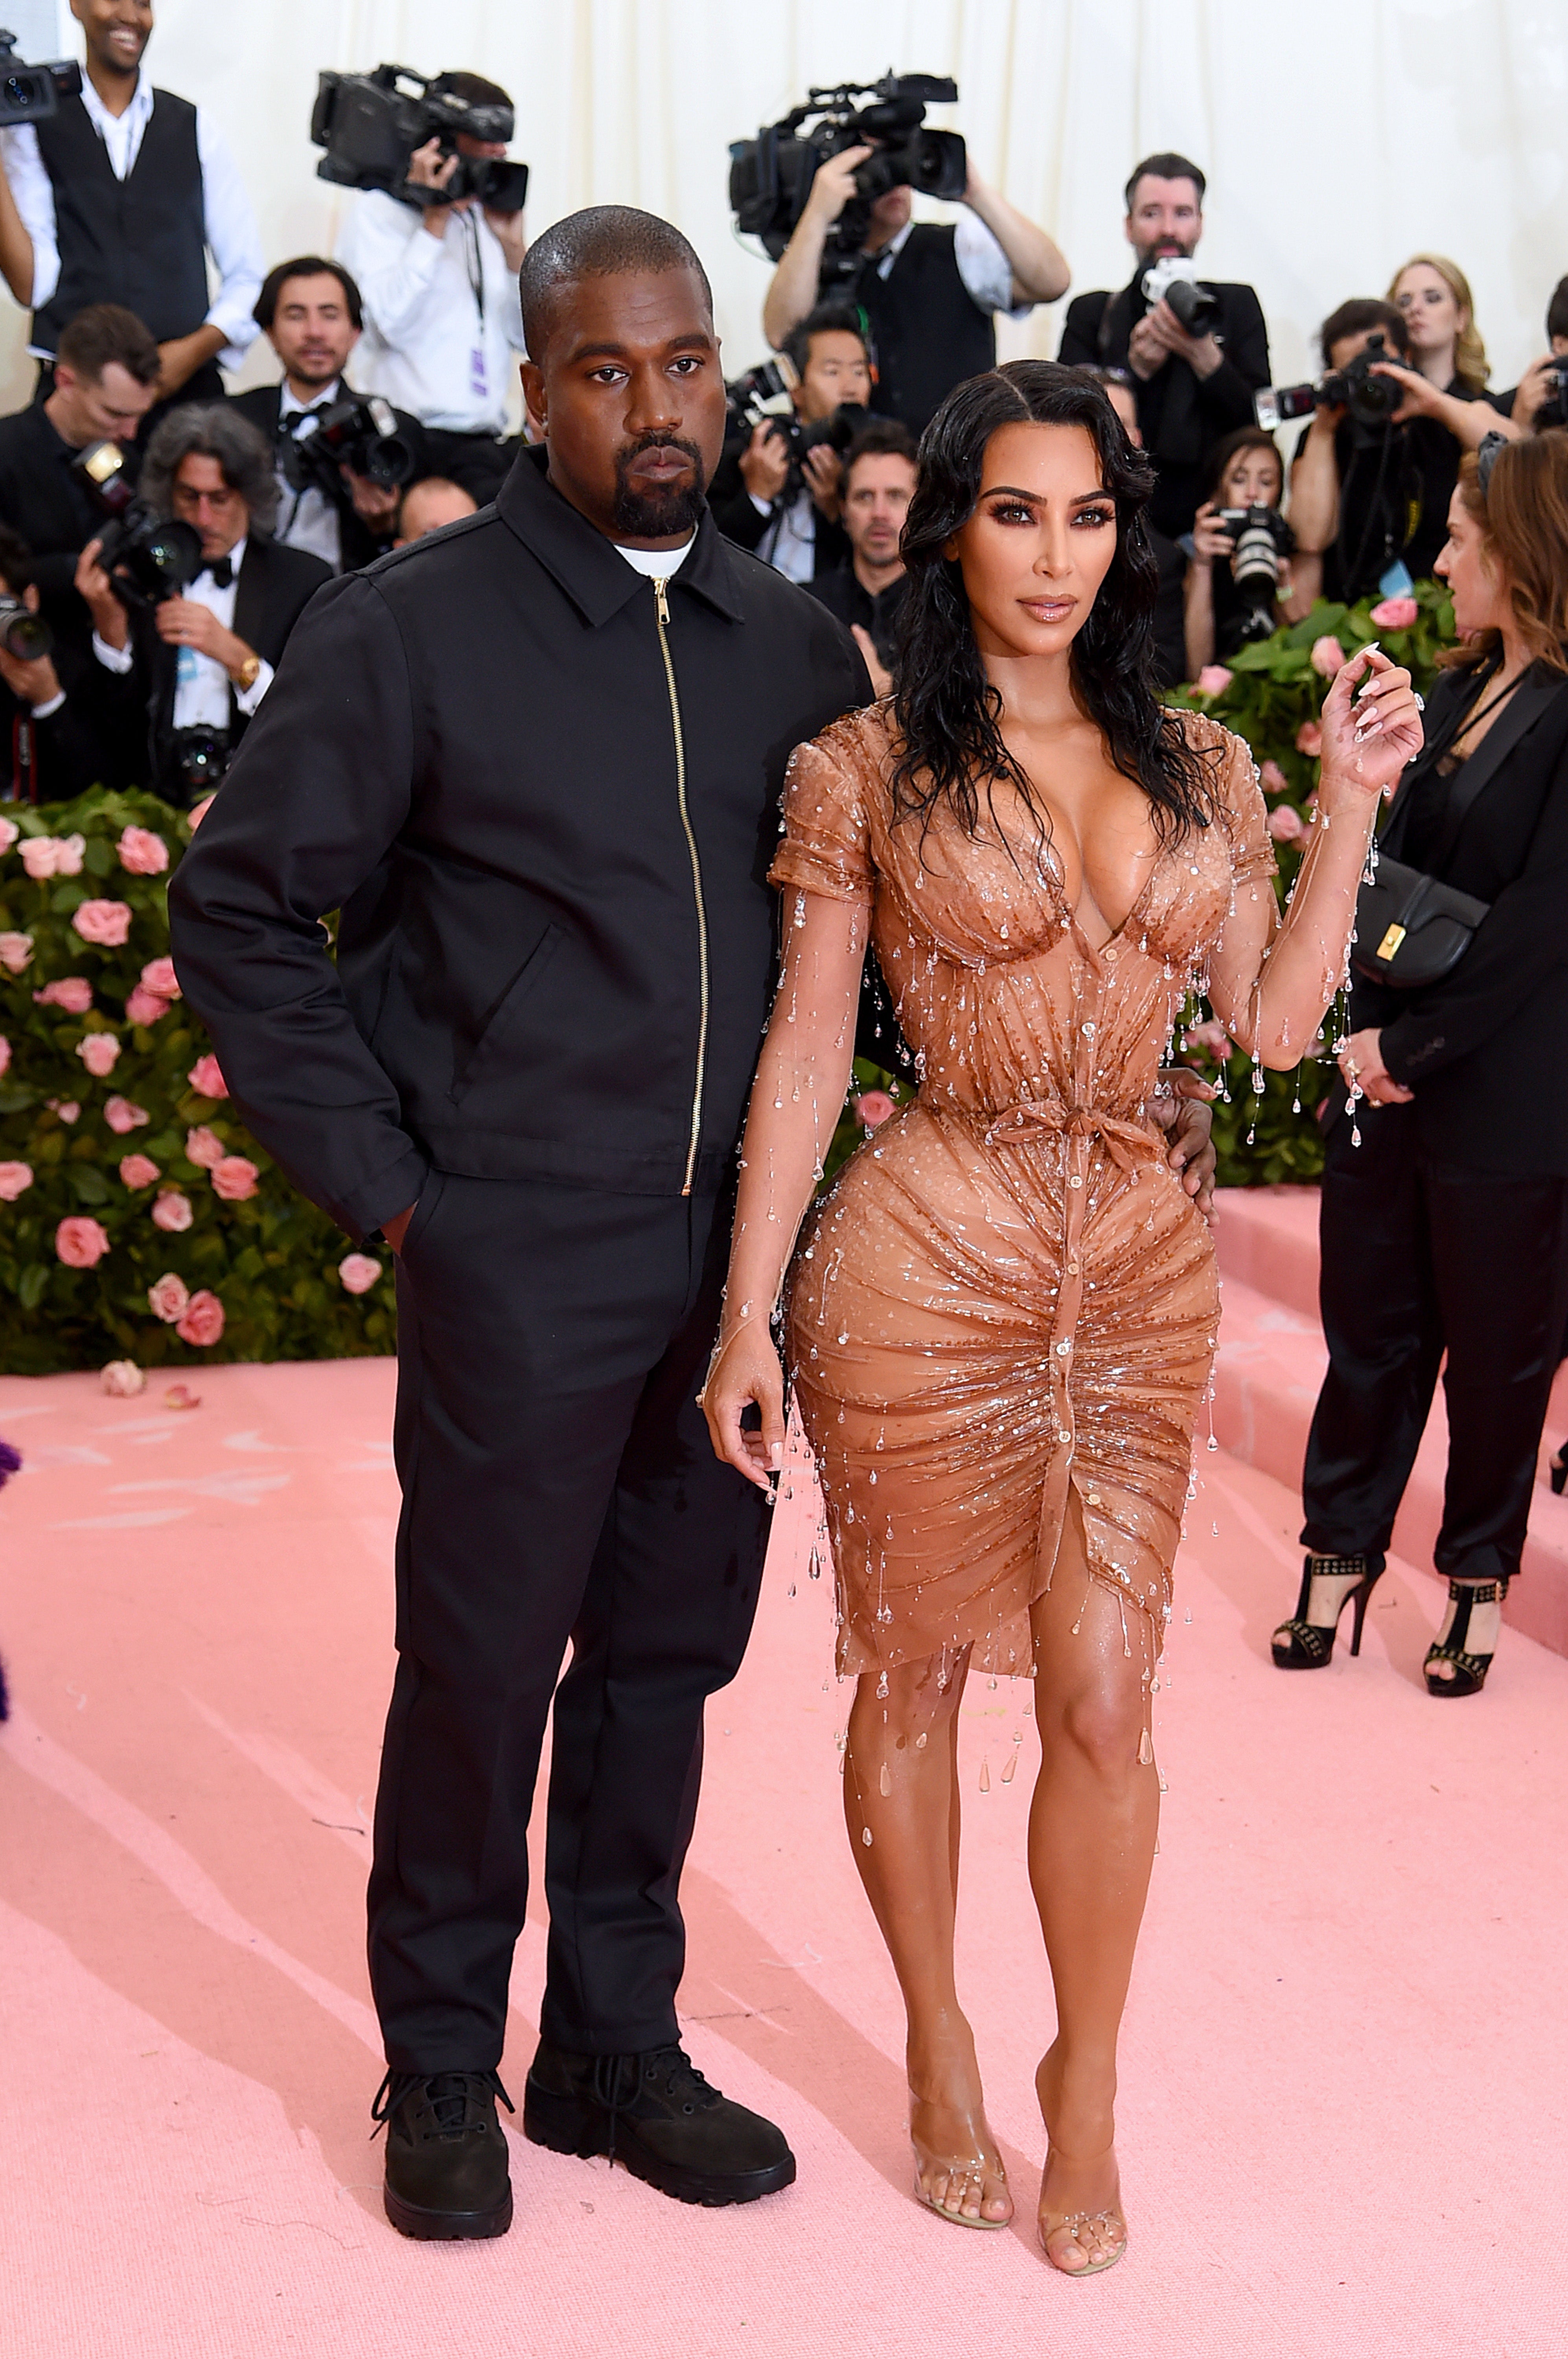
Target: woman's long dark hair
(948, 712)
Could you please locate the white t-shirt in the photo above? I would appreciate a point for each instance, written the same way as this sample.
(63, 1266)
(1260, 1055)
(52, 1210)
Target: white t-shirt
(659, 564)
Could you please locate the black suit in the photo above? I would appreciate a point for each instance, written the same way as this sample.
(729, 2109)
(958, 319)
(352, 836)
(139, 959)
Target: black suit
(1447, 1226)
(41, 499)
(1181, 416)
(739, 519)
(261, 408)
(56, 758)
(547, 818)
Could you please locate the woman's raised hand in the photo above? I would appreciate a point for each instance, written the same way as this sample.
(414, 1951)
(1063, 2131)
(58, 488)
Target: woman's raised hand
(1371, 729)
(746, 1373)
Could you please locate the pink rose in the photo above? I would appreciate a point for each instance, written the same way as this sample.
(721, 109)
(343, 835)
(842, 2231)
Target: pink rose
(873, 1107)
(1396, 614)
(1273, 780)
(182, 1397)
(5, 1054)
(122, 1379)
(1309, 739)
(10, 832)
(107, 923)
(53, 855)
(137, 1170)
(358, 1272)
(234, 1179)
(206, 1078)
(100, 1053)
(73, 992)
(1212, 680)
(145, 1006)
(81, 1242)
(15, 1180)
(198, 811)
(203, 1321)
(68, 1109)
(167, 1299)
(123, 1114)
(1286, 825)
(1212, 1036)
(1328, 655)
(15, 950)
(172, 1210)
(204, 1146)
(141, 851)
(159, 975)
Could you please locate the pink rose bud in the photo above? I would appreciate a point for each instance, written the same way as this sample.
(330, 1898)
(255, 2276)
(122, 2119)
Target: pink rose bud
(1272, 779)
(1309, 739)
(203, 1322)
(137, 1170)
(168, 1298)
(107, 923)
(1328, 655)
(358, 1272)
(68, 1108)
(159, 975)
(145, 1006)
(206, 1079)
(15, 951)
(122, 1379)
(234, 1179)
(198, 811)
(100, 1053)
(1212, 680)
(172, 1211)
(73, 992)
(80, 1242)
(873, 1107)
(10, 832)
(123, 1114)
(5, 1054)
(142, 852)
(181, 1396)
(1396, 614)
(15, 1180)
(204, 1146)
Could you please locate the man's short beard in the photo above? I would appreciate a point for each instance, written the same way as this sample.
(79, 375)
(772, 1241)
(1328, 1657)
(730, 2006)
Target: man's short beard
(652, 513)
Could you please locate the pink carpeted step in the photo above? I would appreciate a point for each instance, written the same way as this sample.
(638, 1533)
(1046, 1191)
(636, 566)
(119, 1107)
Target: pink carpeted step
(1268, 1237)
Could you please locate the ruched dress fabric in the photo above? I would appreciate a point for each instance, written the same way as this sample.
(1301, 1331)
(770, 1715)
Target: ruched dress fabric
(1007, 1297)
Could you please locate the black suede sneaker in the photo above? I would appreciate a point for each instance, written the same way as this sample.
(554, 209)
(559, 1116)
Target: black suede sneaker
(657, 2114)
(446, 2154)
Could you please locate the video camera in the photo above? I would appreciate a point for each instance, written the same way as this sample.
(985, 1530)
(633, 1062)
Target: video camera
(359, 432)
(772, 175)
(1371, 400)
(1197, 308)
(32, 93)
(1260, 540)
(371, 124)
(152, 557)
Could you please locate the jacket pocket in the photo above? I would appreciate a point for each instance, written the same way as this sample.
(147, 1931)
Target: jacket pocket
(490, 1050)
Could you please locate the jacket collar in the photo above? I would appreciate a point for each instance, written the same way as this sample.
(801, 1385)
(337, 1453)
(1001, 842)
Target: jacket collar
(598, 581)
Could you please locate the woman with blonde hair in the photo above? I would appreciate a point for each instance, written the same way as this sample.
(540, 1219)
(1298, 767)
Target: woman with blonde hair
(1445, 407)
(1440, 320)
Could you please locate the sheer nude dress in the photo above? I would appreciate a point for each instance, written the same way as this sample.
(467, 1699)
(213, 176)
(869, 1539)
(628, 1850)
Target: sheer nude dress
(1007, 1296)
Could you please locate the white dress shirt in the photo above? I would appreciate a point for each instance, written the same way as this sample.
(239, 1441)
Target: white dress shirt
(789, 544)
(228, 220)
(307, 520)
(201, 686)
(441, 315)
(983, 267)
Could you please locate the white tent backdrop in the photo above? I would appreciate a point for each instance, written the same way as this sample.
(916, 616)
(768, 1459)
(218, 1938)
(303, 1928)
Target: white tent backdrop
(1338, 138)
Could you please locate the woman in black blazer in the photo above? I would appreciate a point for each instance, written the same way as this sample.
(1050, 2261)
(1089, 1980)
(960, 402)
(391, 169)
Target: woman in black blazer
(1444, 1211)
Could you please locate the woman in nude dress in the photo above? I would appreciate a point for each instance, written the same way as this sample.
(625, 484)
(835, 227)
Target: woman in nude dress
(1001, 1321)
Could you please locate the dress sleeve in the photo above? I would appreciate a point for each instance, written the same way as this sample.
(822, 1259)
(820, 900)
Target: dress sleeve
(1243, 813)
(827, 843)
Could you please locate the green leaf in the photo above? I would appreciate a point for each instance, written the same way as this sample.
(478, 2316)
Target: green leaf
(35, 1277)
(99, 858)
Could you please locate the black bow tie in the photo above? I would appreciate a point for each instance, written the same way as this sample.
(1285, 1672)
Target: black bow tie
(221, 571)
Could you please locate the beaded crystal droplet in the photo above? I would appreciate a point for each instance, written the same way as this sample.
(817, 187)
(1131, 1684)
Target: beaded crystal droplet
(1145, 1749)
(985, 1777)
(886, 1781)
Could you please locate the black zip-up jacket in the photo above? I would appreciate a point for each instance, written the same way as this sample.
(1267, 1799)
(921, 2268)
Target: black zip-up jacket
(546, 815)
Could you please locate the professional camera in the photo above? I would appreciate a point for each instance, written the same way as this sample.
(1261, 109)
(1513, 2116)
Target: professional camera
(32, 93)
(151, 557)
(1371, 400)
(1197, 308)
(199, 760)
(1260, 540)
(359, 432)
(1553, 410)
(371, 124)
(772, 175)
(24, 634)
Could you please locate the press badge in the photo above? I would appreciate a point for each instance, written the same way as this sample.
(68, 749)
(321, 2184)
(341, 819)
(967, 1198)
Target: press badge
(477, 384)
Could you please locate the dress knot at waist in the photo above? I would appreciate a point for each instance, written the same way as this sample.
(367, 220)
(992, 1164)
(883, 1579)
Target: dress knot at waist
(1127, 1143)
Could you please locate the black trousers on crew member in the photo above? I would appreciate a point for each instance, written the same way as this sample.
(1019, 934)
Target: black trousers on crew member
(1420, 1256)
(557, 1485)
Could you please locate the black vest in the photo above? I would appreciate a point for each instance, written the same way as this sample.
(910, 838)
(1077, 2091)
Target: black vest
(141, 240)
(927, 329)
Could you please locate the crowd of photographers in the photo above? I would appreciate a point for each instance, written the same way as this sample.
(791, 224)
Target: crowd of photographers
(160, 537)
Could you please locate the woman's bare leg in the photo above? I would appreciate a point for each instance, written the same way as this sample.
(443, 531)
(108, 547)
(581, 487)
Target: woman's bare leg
(1091, 1829)
(900, 1788)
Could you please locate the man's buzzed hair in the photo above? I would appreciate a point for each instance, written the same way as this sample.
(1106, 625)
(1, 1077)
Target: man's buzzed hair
(603, 242)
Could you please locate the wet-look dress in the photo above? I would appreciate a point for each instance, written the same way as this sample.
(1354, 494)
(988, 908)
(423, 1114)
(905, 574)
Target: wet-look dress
(1008, 1297)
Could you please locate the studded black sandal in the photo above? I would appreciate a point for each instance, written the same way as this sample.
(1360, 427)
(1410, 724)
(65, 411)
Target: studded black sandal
(1468, 1675)
(1305, 1643)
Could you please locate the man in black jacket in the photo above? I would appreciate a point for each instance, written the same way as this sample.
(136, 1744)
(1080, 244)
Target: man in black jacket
(534, 760)
(52, 736)
(1192, 390)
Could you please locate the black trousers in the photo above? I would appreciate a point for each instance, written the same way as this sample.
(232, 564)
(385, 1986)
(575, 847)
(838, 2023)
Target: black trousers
(557, 1485)
(1419, 1257)
(478, 461)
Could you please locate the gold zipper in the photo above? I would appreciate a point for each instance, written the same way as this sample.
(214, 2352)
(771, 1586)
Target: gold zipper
(661, 611)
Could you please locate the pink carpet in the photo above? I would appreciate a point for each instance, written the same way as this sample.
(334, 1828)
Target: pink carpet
(1345, 2061)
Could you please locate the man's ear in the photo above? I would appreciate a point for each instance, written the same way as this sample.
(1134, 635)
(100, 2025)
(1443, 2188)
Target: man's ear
(534, 399)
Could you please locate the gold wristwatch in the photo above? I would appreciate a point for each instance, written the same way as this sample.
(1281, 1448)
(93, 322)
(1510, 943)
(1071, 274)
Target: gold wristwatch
(245, 678)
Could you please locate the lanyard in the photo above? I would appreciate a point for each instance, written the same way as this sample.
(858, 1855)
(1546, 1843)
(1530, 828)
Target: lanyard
(474, 261)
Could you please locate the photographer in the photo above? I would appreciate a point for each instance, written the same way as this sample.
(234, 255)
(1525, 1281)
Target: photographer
(204, 661)
(440, 288)
(310, 312)
(929, 294)
(428, 504)
(773, 498)
(53, 742)
(1194, 386)
(119, 196)
(1539, 400)
(879, 477)
(1221, 614)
